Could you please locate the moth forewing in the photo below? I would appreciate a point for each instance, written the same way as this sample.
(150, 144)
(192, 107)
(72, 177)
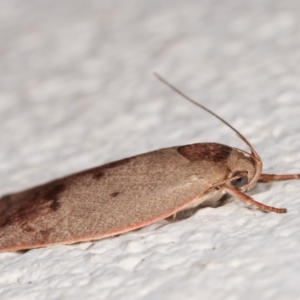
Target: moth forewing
(113, 198)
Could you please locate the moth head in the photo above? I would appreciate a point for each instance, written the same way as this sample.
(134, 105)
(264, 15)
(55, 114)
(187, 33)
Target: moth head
(244, 170)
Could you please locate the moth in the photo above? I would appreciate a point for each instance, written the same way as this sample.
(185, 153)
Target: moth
(131, 193)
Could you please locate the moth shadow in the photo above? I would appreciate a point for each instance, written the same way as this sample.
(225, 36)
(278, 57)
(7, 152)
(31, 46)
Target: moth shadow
(185, 214)
(260, 188)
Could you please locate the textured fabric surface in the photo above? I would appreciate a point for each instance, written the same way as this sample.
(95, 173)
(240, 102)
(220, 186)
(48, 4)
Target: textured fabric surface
(77, 91)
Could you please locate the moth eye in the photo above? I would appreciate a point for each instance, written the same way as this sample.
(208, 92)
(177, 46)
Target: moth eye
(240, 181)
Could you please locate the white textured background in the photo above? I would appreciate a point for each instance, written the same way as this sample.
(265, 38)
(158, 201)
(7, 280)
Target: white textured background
(76, 91)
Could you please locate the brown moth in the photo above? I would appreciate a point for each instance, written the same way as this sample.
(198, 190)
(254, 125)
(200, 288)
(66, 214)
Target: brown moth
(130, 193)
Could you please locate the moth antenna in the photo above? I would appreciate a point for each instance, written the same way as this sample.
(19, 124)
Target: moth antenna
(254, 154)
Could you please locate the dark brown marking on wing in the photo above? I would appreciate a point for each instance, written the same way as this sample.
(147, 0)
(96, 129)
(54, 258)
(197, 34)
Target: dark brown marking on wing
(29, 229)
(98, 175)
(24, 207)
(6, 198)
(14, 211)
(207, 151)
(4, 203)
(115, 194)
(53, 195)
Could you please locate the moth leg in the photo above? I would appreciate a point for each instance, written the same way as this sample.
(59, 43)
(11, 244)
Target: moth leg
(247, 199)
(277, 177)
